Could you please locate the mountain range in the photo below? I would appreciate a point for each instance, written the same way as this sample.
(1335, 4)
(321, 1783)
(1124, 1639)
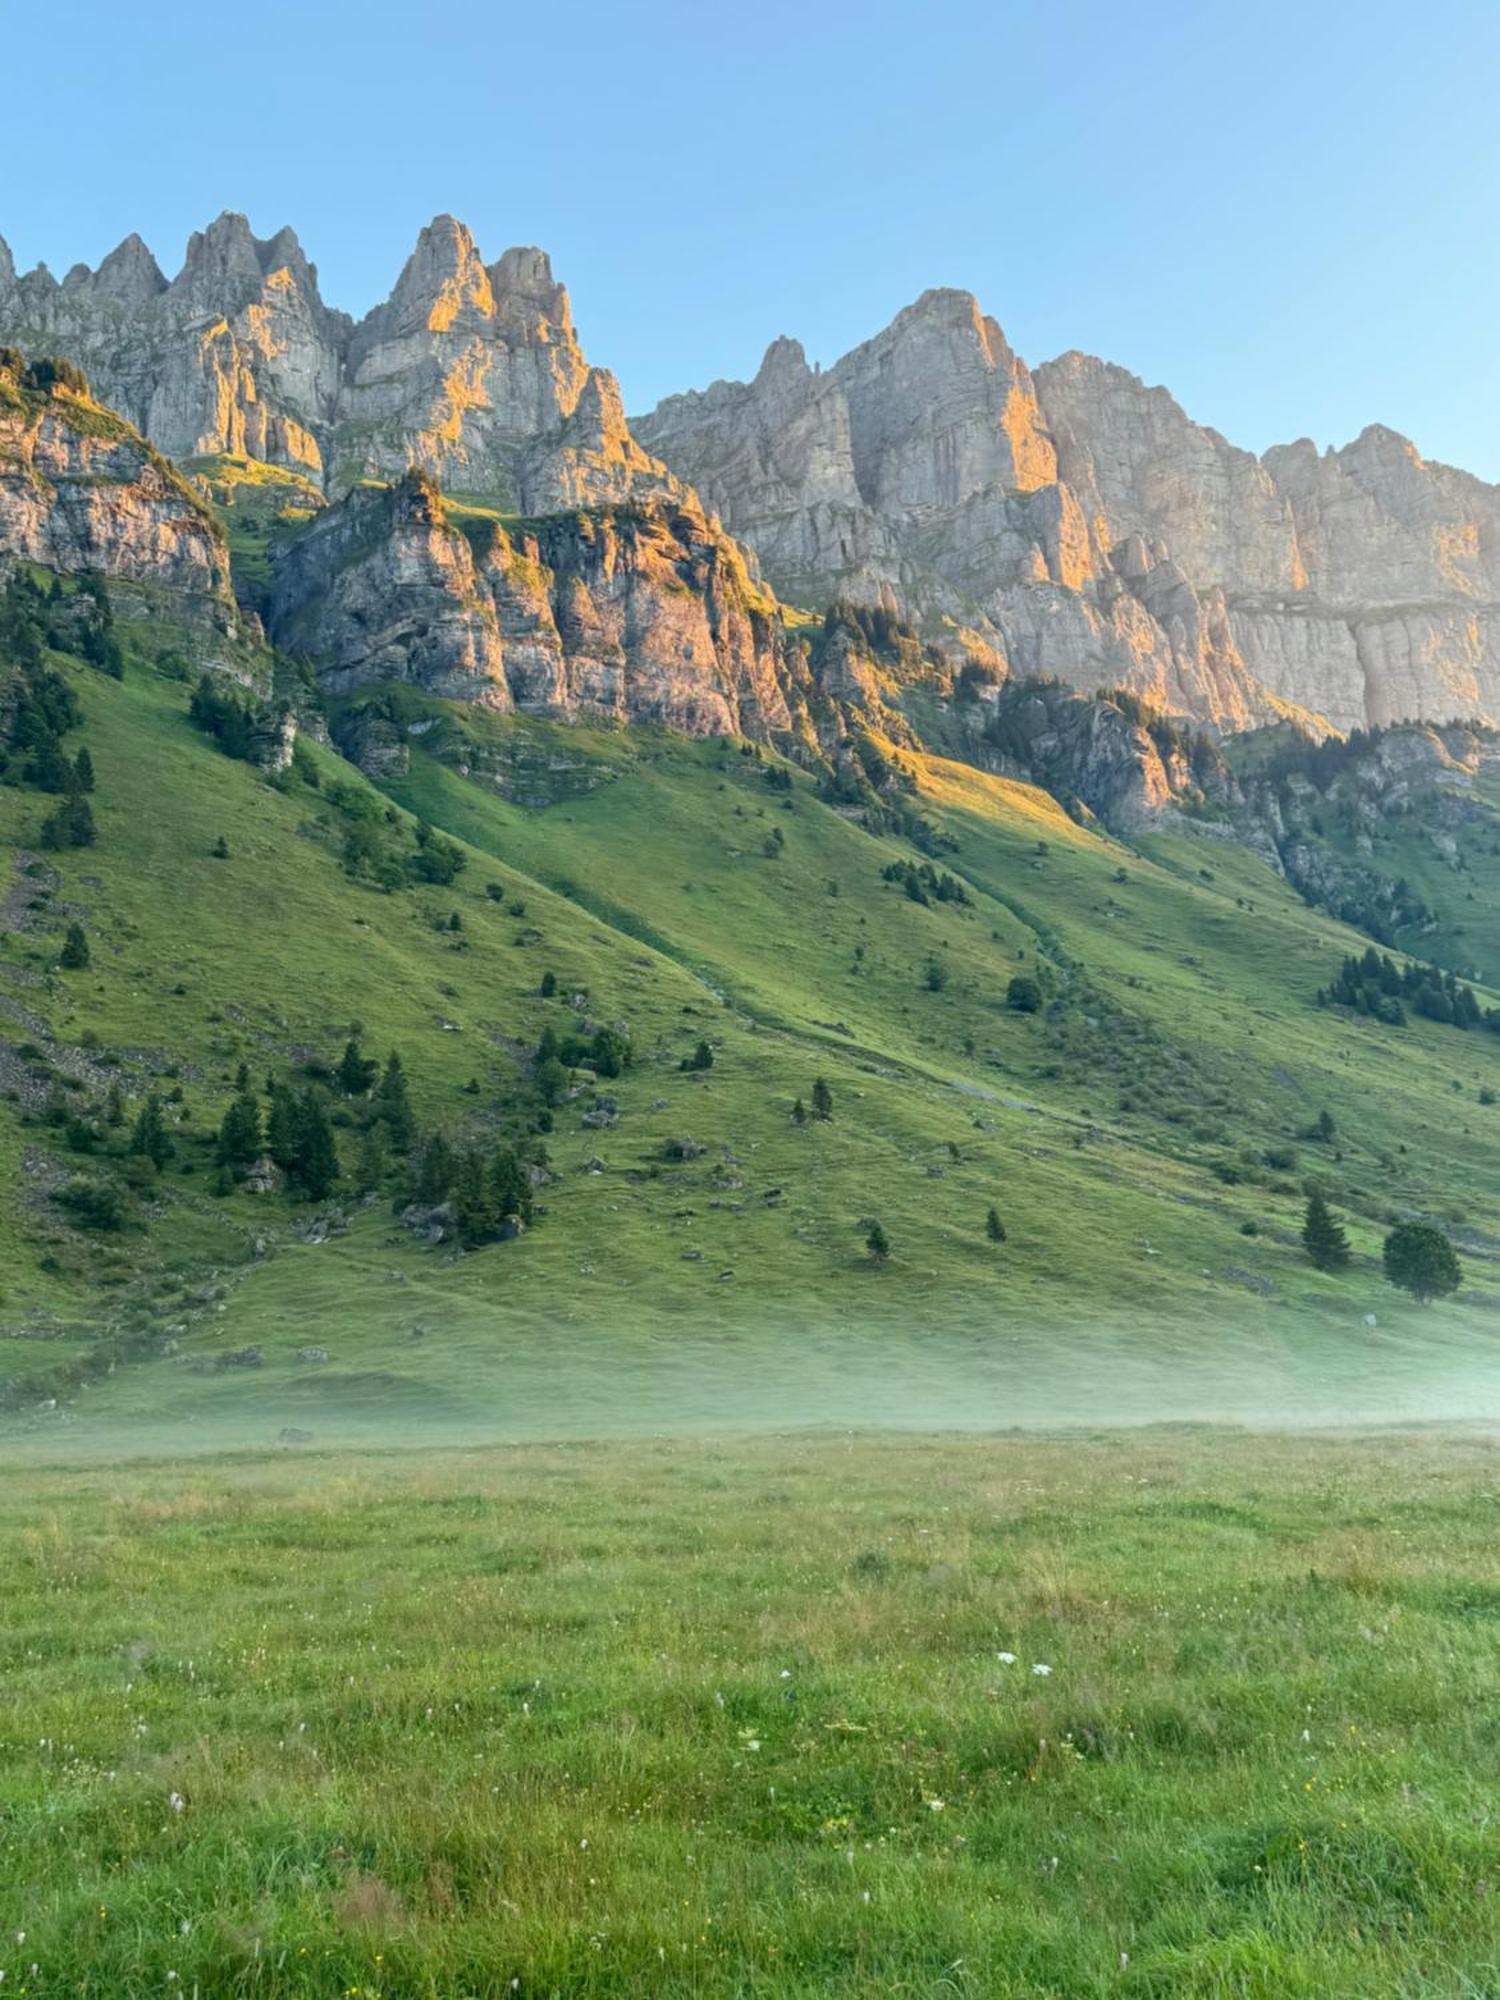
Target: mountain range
(1068, 522)
(912, 793)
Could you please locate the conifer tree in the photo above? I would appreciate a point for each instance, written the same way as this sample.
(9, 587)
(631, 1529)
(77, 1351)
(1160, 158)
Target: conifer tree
(1323, 1238)
(149, 1139)
(75, 952)
(394, 1106)
(822, 1099)
(878, 1243)
(316, 1161)
(374, 1161)
(355, 1074)
(239, 1140)
(281, 1129)
(994, 1228)
(435, 1174)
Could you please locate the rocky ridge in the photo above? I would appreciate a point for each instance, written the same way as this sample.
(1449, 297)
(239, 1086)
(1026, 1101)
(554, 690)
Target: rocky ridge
(1087, 529)
(470, 371)
(82, 492)
(642, 613)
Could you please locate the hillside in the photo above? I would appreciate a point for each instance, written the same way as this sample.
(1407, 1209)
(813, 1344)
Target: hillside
(1178, 1051)
(765, 1064)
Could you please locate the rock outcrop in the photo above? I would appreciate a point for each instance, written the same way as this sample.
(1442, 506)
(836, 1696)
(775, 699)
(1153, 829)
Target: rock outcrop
(471, 372)
(1086, 528)
(81, 491)
(639, 614)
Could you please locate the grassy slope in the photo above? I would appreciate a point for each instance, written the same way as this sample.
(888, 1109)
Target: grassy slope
(696, 1719)
(1096, 1142)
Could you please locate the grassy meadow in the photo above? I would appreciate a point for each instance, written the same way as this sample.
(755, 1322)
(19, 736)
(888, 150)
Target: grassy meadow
(1187, 1713)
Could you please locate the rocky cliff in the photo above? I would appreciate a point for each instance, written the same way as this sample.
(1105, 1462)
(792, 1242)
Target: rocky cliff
(471, 371)
(1087, 529)
(642, 613)
(81, 491)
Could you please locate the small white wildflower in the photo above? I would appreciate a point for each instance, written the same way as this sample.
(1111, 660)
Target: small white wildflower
(1040, 1669)
(1124, 1958)
(936, 1805)
(1006, 1659)
(786, 1673)
(753, 1744)
(176, 1801)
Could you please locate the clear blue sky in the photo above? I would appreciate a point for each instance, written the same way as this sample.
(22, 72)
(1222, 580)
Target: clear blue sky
(1285, 212)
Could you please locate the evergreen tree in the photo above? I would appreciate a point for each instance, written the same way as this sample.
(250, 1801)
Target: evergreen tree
(149, 1139)
(1323, 1238)
(239, 1140)
(1324, 1128)
(355, 1074)
(242, 1080)
(114, 1106)
(394, 1106)
(476, 1216)
(281, 1129)
(701, 1058)
(799, 1113)
(878, 1243)
(994, 1228)
(75, 952)
(83, 771)
(1419, 1258)
(374, 1162)
(549, 985)
(316, 1165)
(435, 1174)
(822, 1099)
(220, 849)
(510, 1185)
(72, 825)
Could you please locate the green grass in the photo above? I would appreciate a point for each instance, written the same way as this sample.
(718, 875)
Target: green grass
(1125, 1134)
(733, 1719)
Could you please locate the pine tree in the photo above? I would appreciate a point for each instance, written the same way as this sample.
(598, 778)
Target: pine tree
(316, 1165)
(475, 1214)
(799, 1113)
(242, 1080)
(239, 1140)
(220, 849)
(822, 1099)
(374, 1162)
(75, 952)
(114, 1106)
(149, 1139)
(994, 1228)
(281, 1129)
(510, 1184)
(1323, 1238)
(394, 1106)
(701, 1058)
(435, 1174)
(355, 1074)
(83, 771)
(878, 1243)
(1324, 1127)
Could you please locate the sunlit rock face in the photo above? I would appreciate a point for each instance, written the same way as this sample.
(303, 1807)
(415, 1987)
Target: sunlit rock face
(81, 492)
(469, 371)
(1086, 528)
(643, 614)
(922, 468)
